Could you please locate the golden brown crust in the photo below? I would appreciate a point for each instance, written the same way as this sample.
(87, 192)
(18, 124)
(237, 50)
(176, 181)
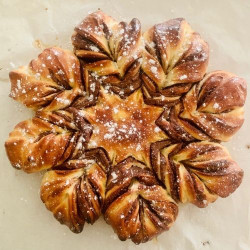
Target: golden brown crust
(110, 51)
(211, 110)
(104, 141)
(136, 206)
(124, 127)
(174, 58)
(47, 140)
(77, 195)
(35, 145)
(52, 80)
(197, 172)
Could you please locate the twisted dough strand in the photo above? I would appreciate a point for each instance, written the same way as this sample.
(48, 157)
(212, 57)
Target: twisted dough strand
(77, 195)
(110, 51)
(197, 172)
(52, 81)
(174, 58)
(136, 206)
(211, 110)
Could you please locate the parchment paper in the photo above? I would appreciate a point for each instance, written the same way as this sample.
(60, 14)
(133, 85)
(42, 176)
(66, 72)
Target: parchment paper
(26, 27)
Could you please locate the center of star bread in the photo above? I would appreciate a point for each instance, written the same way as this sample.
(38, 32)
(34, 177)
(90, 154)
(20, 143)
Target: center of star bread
(124, 127)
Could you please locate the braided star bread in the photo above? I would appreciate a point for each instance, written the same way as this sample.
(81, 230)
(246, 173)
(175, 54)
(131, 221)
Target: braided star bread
(127, 126)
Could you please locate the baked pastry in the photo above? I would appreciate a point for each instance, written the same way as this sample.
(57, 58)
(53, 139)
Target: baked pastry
(52, 80)
(196, 172)
(127, 126)
(174, 58)
(110, 51)
(211, 110)
(136, 205)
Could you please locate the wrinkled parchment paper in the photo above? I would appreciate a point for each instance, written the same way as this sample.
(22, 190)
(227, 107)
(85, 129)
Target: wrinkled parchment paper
(27, 27)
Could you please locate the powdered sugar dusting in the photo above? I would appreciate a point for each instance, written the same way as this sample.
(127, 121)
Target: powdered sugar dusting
(124, 126)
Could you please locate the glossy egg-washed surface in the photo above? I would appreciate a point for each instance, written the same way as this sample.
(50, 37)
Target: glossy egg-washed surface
(127, 125)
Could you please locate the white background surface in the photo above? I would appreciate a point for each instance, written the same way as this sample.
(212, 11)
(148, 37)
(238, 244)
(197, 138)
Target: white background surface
(24, 221)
